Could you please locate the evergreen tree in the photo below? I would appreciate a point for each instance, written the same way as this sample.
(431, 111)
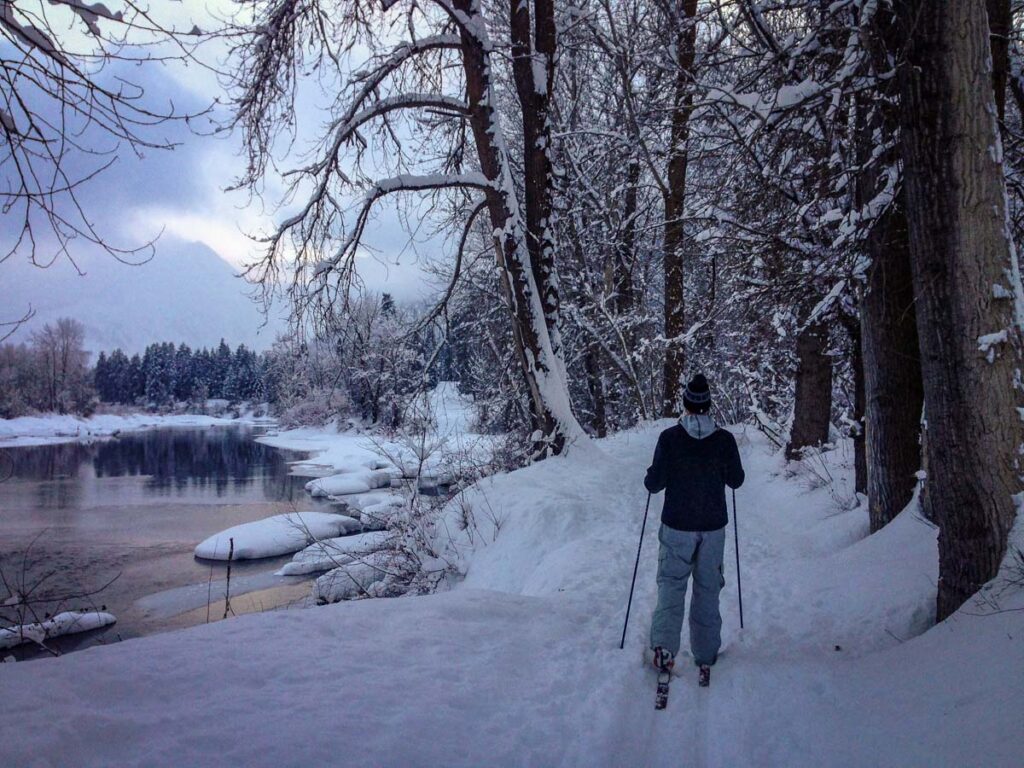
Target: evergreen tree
(184, 381)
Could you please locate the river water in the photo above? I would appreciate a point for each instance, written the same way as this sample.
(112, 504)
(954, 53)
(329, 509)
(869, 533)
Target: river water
(113, 524)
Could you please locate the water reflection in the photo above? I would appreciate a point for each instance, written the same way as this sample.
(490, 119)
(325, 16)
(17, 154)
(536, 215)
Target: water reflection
(74, 516)
(215, 464)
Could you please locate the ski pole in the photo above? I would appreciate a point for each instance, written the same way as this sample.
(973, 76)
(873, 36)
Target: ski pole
(736, 534)
(643, 527)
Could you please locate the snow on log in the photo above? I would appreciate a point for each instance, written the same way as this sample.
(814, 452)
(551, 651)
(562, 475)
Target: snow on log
(66, 623)
(332, 553)
(277, 535)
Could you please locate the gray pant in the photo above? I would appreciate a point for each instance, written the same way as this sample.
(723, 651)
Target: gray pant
(683, 553)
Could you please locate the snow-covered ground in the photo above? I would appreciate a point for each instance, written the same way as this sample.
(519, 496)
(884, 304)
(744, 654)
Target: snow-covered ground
(351, 458)
(518, 663)
(55, 428)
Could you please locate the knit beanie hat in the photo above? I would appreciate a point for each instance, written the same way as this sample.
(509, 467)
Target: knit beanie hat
(697, 397)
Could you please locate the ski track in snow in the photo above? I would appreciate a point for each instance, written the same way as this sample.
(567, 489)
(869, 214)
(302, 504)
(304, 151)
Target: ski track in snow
(520, 664)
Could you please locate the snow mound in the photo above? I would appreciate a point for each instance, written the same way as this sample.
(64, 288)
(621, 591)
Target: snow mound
(277, 535)
(66, 623)
(331, 553)
(348, 483)
(364, 501)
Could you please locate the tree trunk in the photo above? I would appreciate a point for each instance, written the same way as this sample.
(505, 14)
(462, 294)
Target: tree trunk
(625, 249)
(530, 290)
(812, 408)
(860, 462)
(595, 385)
(675, 198)
(892, 364)
(1000, 20)
(964, 275)
(892, 369)
(533, 69)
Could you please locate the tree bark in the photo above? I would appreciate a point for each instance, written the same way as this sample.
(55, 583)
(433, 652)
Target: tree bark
(892, 369)
(674, 268)
(960, 252)
(860, 462)
(892, 366)
(1000, 20)
(812, 408)
(533, 69)
(595, 385)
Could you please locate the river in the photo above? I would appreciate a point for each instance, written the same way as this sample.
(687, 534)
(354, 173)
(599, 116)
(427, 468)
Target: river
(114, 523)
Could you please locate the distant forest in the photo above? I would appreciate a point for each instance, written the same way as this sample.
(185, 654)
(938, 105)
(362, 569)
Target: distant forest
(165, 374)
(368, 372)
(51, 373)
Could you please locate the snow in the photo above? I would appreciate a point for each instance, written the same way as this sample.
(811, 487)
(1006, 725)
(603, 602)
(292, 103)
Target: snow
(348, 483)
(351, 579)
(989, 341)
(64, 623)
(55, 428)
(330, 553)
(276, 535)
(353, 462)
(518, 662)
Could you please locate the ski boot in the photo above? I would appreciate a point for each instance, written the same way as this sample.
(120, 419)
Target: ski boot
(704, 675)
(664, 659)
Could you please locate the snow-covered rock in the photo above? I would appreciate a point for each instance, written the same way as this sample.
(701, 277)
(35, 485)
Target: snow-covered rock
(352, 579)
(364, 501)
(332, 553)
(277, 535)
(66, 623)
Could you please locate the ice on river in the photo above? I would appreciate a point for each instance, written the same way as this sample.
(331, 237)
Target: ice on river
(277, 535)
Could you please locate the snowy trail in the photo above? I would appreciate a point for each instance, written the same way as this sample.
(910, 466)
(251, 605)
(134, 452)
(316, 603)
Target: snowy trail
(520, 665)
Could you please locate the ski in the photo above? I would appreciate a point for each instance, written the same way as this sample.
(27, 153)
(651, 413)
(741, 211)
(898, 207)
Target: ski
(704, 676)
(661, 697)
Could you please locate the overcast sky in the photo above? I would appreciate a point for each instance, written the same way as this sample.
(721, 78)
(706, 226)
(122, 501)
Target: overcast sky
(182, 192)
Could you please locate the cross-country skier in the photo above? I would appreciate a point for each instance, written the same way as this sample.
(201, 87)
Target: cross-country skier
(693, 463)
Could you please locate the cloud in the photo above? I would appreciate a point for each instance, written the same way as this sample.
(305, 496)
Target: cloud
(182, 192)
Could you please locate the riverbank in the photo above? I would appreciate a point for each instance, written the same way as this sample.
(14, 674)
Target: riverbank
(53, 428)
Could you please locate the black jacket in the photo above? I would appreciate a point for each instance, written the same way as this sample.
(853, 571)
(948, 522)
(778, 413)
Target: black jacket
(693, 473)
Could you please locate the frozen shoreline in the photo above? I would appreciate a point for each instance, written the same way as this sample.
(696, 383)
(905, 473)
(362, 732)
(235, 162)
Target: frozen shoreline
(52, 428)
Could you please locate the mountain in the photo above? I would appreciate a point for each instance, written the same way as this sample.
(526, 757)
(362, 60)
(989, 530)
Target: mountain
(185, 293)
